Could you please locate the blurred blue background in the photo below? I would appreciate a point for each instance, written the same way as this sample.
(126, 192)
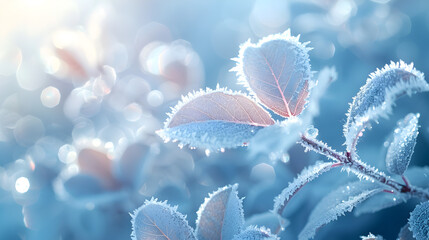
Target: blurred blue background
(85, 84)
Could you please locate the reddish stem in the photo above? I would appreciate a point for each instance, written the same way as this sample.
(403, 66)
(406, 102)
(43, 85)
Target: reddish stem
(361, 168)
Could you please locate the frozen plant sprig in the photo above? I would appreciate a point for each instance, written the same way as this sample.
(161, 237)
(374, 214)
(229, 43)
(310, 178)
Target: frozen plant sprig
(277, 73)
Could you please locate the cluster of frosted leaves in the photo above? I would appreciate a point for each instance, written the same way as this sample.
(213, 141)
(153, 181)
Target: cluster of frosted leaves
(336, 204)
(276, 70)
(378, 95)
(157, 220)
(255, 233)
(269, 219)
(215, 119)
(371, 237)
(277, 73)
(402, 146)
(221, 215)
(419, 221)
(303, 178)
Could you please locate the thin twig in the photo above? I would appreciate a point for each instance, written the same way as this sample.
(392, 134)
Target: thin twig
(360, 168)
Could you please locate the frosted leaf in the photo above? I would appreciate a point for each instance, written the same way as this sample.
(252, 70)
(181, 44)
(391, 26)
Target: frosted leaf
(405, 233)
(157, 220)
(378, 95)
(379, 202)
(276, 139)
(401, 148)
(221, 215)
(215, 119)
(336, 204)
(277, 71)
(270, 220)
(371, 237)
(254, 233)
(306, 176)
(419, 221)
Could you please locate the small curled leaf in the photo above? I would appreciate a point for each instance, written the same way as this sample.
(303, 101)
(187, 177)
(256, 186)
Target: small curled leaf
(215, 119)
(221, 215)
(159, 221)
(254, 233)
(378, 95)
(277, 71)
(419, 221)
(401, 149)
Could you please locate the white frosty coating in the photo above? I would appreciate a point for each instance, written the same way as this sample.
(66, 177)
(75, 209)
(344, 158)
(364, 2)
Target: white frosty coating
(336, 204)
(419, 221)
(404, 78)
(210, 135)
(302, 51)
(235, 223)
(195, 94)
(306, 175)
(173, 214)
(401, 149)
(256, 233)
(371, 237)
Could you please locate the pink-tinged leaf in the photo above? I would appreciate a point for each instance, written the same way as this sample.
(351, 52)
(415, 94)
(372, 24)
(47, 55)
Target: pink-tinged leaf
(221, 215)
(215, 119)
(277, 71)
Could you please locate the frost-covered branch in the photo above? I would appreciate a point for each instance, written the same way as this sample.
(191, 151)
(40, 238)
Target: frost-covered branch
(361, 169)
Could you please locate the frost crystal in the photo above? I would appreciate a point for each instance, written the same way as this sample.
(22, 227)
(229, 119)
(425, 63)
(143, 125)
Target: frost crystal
(221, 215)
(401, 148)
(158, 221)
(215, 119)
(377, 96)
(371, 237)
(335, 204)
(277, 71)
(303, 178)
(419, 221)
(254, 233)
